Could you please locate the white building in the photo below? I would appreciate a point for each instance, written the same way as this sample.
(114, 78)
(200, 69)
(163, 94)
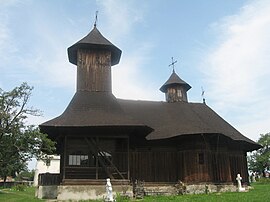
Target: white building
(51, 166)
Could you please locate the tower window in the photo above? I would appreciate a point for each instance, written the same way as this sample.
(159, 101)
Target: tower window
(179, 93)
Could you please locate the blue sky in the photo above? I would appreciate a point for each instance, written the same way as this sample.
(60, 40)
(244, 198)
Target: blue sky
(222, 46)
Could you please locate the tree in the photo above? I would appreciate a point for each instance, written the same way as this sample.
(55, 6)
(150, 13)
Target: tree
(260, 160)
(19, 142)
(26, 175)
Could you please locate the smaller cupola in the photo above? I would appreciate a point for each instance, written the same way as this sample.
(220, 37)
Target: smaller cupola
(175, 88)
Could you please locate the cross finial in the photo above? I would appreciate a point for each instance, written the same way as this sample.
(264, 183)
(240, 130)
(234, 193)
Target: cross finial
(96, 19)
(203, 98)
(172, 64)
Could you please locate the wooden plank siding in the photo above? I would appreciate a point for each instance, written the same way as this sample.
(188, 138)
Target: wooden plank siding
(191, 163)
(238, 164)
(94, 70)
(154, 166)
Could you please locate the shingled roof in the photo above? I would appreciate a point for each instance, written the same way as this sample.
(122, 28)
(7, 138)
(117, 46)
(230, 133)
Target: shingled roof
(173, 80)
(94, 40)
(180, 118)
(92, 109)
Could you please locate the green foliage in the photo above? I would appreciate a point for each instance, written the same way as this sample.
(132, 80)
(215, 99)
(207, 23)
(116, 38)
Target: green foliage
(19, 142)
(260, 160)
(25, 175)
(121, 198)
(263, 180)
(20, 187)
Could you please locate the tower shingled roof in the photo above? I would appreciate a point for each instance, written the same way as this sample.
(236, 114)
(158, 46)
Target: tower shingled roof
(174, 79)
(94, 40)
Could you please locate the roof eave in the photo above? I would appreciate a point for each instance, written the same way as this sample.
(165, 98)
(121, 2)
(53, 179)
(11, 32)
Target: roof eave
(115, 52)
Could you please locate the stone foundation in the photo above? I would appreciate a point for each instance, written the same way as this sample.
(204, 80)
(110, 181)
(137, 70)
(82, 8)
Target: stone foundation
(210, 188)
(46, 192)
(189, 189)
(86, 192)
(80, 192)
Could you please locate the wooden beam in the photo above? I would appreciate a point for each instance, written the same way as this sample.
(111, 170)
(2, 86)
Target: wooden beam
(101, 153)
(65, 158)
(94, 150)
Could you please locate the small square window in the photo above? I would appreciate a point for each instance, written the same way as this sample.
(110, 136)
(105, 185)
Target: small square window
(201, 158)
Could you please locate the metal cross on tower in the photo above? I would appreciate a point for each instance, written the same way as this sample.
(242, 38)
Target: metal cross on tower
(96, 19)
(172, 64)
(203, 98)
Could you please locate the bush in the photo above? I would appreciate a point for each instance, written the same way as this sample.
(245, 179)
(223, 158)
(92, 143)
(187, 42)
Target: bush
(20, 187)
(263, 180)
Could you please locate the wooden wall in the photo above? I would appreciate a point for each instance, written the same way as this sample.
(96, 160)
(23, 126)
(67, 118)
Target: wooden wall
(238, 164)
(94, 70)
(87, 157)
(184, 165)
(193, 163)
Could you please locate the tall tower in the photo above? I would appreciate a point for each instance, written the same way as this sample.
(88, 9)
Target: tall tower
(175, 89)
(94, 55)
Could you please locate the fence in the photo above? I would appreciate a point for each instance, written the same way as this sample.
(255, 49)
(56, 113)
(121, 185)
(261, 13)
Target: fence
(48, 179)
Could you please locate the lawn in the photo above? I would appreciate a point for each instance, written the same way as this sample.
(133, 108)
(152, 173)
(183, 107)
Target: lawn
(260, 192)
(12, 195)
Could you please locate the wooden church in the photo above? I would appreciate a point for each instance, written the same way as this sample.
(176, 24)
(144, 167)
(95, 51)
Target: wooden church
(99, 136)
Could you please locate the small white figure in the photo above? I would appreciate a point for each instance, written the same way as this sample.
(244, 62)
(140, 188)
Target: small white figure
(253, 177)
(239, 185)
(109, 193)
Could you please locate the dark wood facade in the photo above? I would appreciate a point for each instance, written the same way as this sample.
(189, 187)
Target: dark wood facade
(191, 159)
(208, 158)
(99, 136)
(94, 70)
(96, 158)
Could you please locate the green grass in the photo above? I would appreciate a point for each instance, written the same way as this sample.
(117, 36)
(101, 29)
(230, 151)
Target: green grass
(260, 192)
(12, 195)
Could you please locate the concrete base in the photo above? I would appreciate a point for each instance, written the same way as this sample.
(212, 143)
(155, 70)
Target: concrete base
(46, 192)
(210, 188)
(86, 192)
(241, 189)
(80, 192)
(93, 192)
(152, 190)
(189, 189)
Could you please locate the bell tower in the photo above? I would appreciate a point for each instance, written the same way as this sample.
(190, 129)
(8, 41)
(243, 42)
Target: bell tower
(175, 88)
(94, 55)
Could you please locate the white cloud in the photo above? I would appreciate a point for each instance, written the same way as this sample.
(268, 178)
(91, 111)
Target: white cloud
(237, 68)
(121, 15)
(127, 77)
(39, 54)
(6, 44)
(254, 128)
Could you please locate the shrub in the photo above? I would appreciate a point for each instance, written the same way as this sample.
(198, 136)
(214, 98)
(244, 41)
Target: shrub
(263, 180)
(20, 187)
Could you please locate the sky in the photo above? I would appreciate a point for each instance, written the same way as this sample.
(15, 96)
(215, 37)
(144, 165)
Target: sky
(222, 47)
